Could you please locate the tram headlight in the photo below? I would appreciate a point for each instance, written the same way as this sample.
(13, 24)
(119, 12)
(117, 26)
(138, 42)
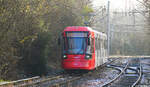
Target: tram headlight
(64, 56)
(88, 56)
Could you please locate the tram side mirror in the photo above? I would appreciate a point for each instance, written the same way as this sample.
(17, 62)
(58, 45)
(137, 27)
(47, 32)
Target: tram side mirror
(89, 41)
(59, 41)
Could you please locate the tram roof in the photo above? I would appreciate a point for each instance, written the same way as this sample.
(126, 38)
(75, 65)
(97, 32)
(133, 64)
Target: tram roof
(83, 28)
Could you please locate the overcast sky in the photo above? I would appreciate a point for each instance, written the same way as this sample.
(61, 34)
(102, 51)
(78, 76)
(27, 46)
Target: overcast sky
(116, 4)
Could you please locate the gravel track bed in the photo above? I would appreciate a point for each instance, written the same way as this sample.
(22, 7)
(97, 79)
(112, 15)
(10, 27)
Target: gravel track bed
(99, 77)
(145, 81)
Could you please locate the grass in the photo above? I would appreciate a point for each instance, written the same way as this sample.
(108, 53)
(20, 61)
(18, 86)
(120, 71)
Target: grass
(2, 80)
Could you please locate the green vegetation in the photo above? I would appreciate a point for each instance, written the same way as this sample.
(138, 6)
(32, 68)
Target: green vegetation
(1, 80)
(29, 30)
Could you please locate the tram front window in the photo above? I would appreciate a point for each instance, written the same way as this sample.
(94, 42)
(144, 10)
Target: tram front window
(75, 43)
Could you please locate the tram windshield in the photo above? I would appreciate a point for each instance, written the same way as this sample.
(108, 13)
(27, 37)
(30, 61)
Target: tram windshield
(75, 42)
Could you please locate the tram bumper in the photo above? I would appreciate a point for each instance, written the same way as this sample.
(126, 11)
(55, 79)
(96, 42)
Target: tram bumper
(76, 65)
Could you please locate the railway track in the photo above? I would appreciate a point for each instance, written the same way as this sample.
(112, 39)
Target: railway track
(56, 81)
(129, 76)
(44, 81)
(145, 81)
(70, 82)
(63, 80)
(30, 82)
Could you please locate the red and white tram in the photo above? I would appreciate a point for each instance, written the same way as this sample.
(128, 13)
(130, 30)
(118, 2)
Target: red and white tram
(83, 48)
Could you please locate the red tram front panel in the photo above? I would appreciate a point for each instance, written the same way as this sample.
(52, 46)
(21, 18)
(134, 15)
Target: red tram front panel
(77, 62)
(77, 53)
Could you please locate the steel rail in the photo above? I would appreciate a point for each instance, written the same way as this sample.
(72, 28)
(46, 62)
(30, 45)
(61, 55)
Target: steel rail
(19, 82)
(140, 76)
(68, 82)
(108, 83)
(34, 81)
(139, 72)
(29, 81)
(43, 80)
(122, 67)
(120, 56)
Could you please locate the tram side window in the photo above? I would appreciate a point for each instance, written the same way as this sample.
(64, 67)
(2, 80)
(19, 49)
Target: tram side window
(92, 45)
(105, 44)
(95, 43)
(98, 43)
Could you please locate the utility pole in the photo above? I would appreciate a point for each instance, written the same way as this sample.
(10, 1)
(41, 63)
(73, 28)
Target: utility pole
(111, 37)
(133, 18)
(108, 28)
